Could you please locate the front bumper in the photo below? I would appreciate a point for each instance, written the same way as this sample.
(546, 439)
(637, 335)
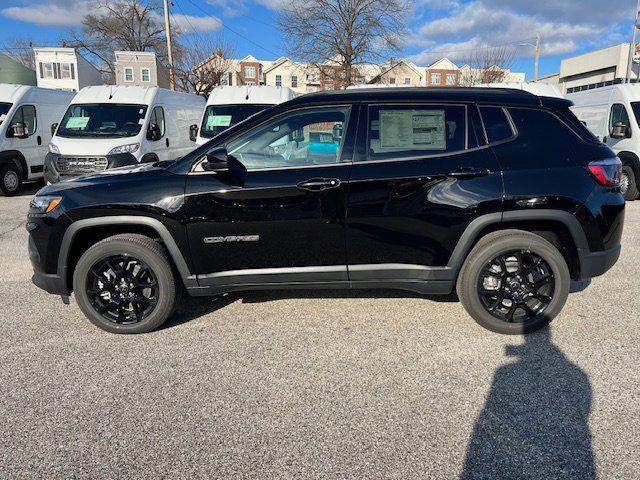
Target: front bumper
(50, 283)
(594, 264)
(52, 175)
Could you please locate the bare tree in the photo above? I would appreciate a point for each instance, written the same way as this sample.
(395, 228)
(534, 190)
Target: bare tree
(487, 65)
(335, 36)
(202, 64)
(131, 25)
(20, 49)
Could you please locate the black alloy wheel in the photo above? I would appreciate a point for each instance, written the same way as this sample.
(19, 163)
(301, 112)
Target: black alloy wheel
(516, 286)
(122, 289)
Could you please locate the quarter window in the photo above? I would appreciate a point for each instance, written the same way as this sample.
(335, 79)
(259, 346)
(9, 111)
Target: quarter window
(618, 115)
(415, 131)
(295, 139)
(496, 124)
(25, 114)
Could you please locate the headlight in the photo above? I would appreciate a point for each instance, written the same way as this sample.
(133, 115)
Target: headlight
(53, 148)
(44, 204)
(125, 149)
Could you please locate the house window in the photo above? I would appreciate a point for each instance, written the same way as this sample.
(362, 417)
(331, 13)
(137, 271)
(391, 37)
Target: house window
(250, 83)
(128, 74)
(65, 70)
(392, 81)
(451, 79)
(407, 81)
(250, 72)
(436, 79)
(146, 75)
(46, 70)
(278, 80)
(294, 81)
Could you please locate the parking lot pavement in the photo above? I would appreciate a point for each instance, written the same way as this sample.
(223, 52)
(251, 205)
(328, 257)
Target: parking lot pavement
(318, 385)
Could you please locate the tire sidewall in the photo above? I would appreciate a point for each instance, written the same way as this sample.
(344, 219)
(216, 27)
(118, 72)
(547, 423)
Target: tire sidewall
(632, 189)
(160, 268)
(3, 172)
(481, 257)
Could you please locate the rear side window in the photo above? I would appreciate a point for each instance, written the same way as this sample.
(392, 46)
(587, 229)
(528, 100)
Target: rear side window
(496, 124)
(576, 125)
(398, 131)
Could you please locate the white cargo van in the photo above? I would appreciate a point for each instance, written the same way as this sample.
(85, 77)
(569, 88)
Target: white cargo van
(538, 89)
(113, 126)
(612, 113)
(229, 105)
(26, 116)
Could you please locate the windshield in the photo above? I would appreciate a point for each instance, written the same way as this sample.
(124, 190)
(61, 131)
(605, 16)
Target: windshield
(217, 118)
(636, 111)
(4, 109)
(102, 120)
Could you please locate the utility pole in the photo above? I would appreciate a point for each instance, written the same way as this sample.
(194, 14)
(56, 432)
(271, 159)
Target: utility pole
(632, 47)
(167, 27)
(537, 64)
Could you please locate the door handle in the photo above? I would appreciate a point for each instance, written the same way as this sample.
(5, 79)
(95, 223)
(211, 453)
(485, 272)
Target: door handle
(319, 184)
(167, 141)
(469, 172)
(39, 140)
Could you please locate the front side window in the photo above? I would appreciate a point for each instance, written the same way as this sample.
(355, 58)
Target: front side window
(113, 120)
(128, 74)
(157, 118)
(296, 139)
(496, 124)
(217, 118)
(26, 114)
(618, 115)
(278, 80)
(146, 76)
(415, 131)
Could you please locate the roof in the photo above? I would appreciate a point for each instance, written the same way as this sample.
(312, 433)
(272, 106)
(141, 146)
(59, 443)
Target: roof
(127, 94)
(262, 94)
(12, 93)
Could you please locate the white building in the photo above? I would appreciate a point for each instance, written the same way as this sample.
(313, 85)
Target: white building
(65, 69)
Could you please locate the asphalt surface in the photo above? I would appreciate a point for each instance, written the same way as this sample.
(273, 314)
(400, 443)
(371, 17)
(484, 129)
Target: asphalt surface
(318, 385)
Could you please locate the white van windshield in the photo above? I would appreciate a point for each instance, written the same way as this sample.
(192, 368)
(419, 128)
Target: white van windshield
(4, 109)
(112, 120)
(218, 118)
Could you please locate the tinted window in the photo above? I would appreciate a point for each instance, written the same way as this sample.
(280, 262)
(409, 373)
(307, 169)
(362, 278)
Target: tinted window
(576, 125)
(496, 124)
(299, 138)
(415, 131)
(476, 133)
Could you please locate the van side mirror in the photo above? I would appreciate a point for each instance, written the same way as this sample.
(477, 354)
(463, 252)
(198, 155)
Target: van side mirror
(54, 127)
(153, 134)
(19, 130)
(193, 133)
(619, 130)
(216, 161)
(298, 136)
(337, 132)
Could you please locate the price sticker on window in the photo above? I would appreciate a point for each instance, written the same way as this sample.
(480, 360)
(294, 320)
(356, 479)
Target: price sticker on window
(218, 121)
(77, 122)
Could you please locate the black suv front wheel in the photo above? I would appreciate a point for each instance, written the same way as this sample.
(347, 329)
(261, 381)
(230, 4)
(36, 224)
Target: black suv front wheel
(514, 282)
(124, 284)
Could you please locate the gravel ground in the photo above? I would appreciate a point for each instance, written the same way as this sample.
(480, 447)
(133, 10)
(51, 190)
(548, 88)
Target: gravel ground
(318, 385)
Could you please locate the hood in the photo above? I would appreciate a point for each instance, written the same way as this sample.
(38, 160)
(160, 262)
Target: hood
(88, 146)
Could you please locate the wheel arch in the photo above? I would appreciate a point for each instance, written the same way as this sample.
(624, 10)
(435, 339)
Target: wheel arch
(83, 233)
(631, 159)
(15, 157)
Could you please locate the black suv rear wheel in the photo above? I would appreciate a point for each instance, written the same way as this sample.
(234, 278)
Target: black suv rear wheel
(514, 282)
(125, 284)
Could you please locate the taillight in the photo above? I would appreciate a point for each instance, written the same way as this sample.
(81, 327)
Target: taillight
(607, 172)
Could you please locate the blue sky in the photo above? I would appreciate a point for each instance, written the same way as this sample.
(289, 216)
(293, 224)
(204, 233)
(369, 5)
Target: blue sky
(437, 28)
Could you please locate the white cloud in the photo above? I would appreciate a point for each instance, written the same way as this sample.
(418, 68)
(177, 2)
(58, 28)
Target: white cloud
(189, 23)
(55, 13)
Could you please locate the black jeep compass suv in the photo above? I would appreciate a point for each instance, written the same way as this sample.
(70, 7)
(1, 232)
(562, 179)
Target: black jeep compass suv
(497, 194)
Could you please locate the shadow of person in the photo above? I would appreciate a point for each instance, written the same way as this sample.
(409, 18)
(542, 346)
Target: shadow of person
(534, 423)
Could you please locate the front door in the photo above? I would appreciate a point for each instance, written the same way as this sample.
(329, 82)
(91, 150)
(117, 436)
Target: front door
(279, 219)
(31, 145)
(422, 175)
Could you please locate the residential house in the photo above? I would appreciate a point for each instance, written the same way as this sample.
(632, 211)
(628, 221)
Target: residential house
(299, 77)
(396, 72)
(141, 69)
(442, 73)
(65, 69)
(12, 71)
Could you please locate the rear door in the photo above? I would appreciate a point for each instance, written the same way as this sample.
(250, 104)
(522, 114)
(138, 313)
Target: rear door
(422, 174)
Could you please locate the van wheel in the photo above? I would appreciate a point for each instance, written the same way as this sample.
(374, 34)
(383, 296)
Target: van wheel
(11, 181)
(125, 284)
(628, 186)
(514, 282)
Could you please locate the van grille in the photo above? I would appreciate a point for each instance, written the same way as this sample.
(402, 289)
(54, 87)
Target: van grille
(67, 165)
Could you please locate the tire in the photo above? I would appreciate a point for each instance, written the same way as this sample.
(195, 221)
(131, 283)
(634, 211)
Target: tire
(133, 250)
(550, 275)
(10, 180)
(629, 188)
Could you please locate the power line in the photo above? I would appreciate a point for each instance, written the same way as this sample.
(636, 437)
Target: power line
(484, 47)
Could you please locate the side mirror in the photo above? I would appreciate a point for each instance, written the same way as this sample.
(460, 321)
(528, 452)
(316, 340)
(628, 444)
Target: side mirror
(619, 130)
(153, 133)
(337, 132)
(216, 161)
(19, 130)
(54, 127)
(193, 133)
(298, 136)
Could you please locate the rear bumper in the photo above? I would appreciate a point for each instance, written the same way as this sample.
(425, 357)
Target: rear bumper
(594, 264)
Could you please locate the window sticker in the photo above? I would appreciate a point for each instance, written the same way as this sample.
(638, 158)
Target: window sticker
(218, 121)
(77, 122)
(412, 130)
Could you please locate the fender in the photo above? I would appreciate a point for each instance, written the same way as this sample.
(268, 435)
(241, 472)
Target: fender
(15, 157)
(188, 279)
(631, 159)
(470, 235)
